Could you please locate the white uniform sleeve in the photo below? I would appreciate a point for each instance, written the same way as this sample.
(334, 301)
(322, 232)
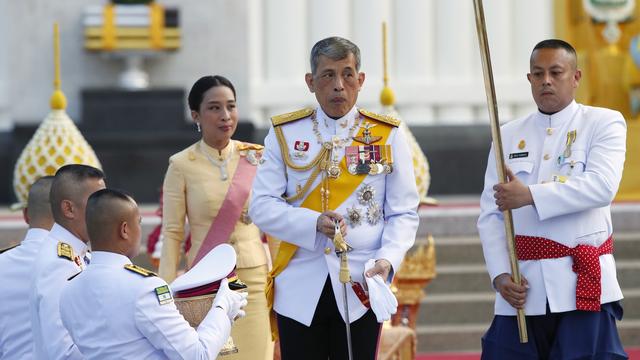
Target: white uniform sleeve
(491, 225)
(598, 184)
(168, 331)
(400, 205)
(269, 211)
(57, 342)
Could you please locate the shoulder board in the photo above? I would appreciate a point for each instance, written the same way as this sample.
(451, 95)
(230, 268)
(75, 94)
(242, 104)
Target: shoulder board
(9, 248)
(292, 116)
(249, 146)
(140, 270)
(72, 276)
(65, 251)
(382, 118)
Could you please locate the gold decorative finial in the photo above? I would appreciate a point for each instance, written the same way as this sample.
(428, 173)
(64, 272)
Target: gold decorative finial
(387, 98)
(58, 100)
(56, 142)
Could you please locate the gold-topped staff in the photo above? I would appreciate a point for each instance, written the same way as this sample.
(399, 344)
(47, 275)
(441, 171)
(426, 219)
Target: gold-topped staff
(497, 146)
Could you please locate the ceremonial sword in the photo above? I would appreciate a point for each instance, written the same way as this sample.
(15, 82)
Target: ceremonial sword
(345, 277)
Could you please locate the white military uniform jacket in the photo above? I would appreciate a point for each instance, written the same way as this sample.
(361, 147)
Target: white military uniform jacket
(50, 273)
(115, 313)
(16, 265)
(572, 197)
(298, 287)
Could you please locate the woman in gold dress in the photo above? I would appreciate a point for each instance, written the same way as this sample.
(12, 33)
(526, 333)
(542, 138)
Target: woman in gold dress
(201, 186)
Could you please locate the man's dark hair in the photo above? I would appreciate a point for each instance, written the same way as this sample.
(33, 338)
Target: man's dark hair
(335, 48)
(556, 44)
(100, 212)
(38, 204)
(203, 85)
(68, 182)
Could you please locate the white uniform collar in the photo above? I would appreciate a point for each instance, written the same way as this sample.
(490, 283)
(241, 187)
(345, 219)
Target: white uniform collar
(559, 118)
(61, 234)
(35, 234)
(109, 258)
(333, 126)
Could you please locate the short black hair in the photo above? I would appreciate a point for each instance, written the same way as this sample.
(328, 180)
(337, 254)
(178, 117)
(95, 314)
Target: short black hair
(38, 204)
(556, 44)
(66, 181)
(98, 214)
(203, 85)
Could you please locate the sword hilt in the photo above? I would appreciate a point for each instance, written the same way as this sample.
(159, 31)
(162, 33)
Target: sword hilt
(341, 250)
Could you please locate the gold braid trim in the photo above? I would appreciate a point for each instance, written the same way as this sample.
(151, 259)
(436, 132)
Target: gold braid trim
(285, 153)
(319, 163)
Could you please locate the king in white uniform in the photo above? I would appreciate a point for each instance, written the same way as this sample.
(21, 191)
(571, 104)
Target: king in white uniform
(334, 163)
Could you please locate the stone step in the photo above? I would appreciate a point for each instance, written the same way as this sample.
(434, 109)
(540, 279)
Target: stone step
(471, 308)
(459, 219)
(467, 337)
(443, 338)
(461, 250)
(456, 308)
(474, 277)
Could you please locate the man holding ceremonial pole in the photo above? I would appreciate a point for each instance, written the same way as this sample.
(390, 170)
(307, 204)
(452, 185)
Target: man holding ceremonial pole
(563, 165)
(326, 168)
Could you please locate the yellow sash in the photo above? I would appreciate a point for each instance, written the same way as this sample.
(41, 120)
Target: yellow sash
(341, 189)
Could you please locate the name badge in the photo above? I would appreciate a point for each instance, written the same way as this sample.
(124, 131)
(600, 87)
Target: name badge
(519, 155)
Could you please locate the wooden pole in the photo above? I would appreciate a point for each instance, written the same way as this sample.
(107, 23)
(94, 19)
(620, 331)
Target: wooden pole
(497, 146)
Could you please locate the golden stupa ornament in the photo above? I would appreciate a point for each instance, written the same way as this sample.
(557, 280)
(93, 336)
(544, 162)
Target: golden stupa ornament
(56, 142)
(420, 162)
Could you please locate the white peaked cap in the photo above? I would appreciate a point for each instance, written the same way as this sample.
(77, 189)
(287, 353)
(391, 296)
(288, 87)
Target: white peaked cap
(214, 266)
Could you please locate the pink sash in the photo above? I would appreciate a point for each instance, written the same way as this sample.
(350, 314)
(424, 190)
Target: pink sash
(231, 209)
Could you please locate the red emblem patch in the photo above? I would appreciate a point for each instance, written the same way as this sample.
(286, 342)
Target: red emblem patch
(301, 145)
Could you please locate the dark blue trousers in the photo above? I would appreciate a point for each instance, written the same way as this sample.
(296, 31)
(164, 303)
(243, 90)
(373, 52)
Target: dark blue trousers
(573, 335)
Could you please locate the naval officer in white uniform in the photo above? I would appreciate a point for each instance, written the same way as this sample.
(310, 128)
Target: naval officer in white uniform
(116, 310)
(63, 254)
(16, 265)
(565, 163)
(306, 185)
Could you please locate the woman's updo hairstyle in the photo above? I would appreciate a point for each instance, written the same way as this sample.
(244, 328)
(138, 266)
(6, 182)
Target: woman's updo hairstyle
(203, 85)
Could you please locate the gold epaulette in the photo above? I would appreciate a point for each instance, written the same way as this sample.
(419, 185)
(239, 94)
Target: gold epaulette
(9, 248)
(383, 118)
(291, 116)
(140, 270)
(65, 251)
(243, 146)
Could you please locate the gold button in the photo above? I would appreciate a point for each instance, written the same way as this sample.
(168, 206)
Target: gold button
(549, 131)
(547, 157)
(327, 250)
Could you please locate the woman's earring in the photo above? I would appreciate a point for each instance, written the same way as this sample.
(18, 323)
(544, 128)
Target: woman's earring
(198, 127)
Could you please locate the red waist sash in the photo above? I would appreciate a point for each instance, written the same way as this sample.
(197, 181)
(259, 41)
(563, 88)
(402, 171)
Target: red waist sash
(586, 264)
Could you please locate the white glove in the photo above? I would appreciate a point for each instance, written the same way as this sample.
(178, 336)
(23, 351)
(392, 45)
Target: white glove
(230, 301)
(383, 302)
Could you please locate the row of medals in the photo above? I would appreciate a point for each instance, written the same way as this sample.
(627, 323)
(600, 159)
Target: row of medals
(361, 160)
